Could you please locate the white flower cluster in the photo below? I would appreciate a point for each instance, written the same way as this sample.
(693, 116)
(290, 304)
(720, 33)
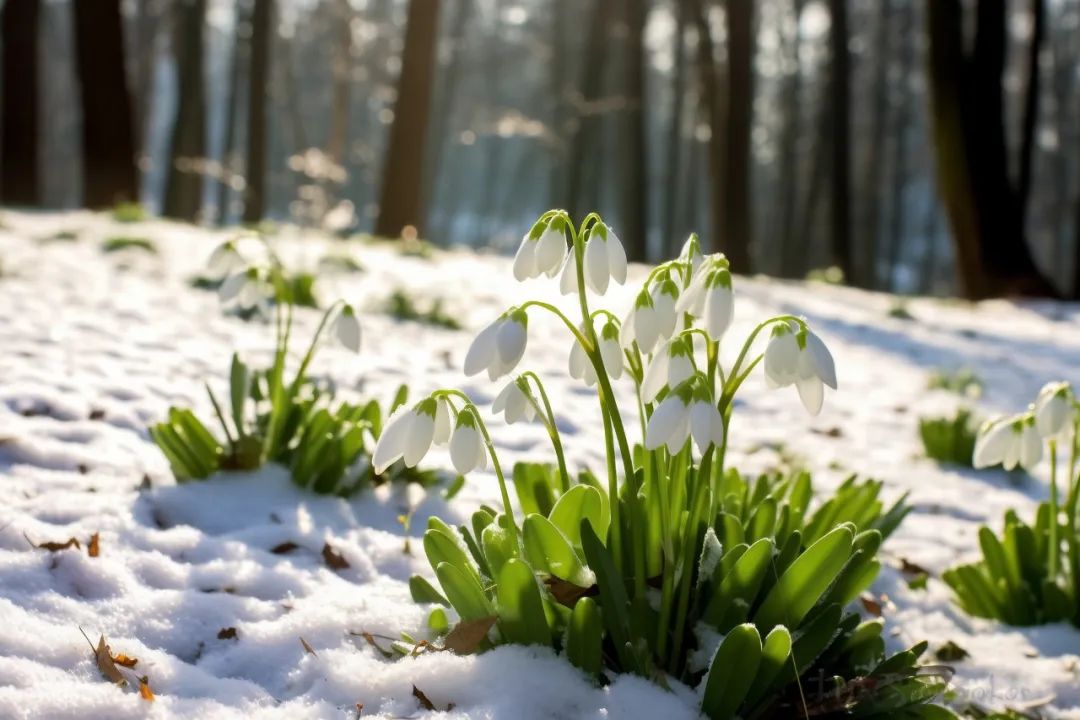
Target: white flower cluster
(1018, 439)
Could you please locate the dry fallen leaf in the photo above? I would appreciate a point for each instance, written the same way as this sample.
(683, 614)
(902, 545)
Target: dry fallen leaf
(228, 633)
(909, 568)
(307, 647)
(144, 689)
(54, 546)
(468, 634)
(285, 547)
(371, 641)
(870, 604)
(423, 699)
(359, 709)
(105, 662)
(124, 661)
(94, 547)
(566, 593)
(333, 558)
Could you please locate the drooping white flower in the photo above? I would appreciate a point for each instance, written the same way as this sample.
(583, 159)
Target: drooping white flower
(671, 364)
(467, 450)
(665, 297)
(581, 368)
(225, 259)
(542, 250)
(1054, 410)
(515, 401)
(640, 325)
(605, 259)
(347, 328)
(499, 346)
(568, 276)
(710, 297)
(248, 288)
(443, 423)
(669, 423)
(1008, 442)
(407, 435)
(706, 423)
(796, 356)
(691, 253)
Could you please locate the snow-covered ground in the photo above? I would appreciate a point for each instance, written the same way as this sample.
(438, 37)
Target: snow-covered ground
(95, 346)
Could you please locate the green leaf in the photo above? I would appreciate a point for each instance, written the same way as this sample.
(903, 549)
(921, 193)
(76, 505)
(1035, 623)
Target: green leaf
(521, 607)
(613, 599)
(732, 672)
(548, 550)
(441, 548)
(800, 587)
(584, 636)
(580, 502)
(239, 387)
(498, 545)
(737, 591)
(424, 592)
(464, 592)
(775, 656)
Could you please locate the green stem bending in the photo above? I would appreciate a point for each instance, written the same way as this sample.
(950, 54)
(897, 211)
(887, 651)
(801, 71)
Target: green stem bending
(552, 428)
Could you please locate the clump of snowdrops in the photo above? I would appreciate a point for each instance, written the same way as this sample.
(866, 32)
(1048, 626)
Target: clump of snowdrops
(272, 417)
(672, 565)
(1031, 574)
(950, 439)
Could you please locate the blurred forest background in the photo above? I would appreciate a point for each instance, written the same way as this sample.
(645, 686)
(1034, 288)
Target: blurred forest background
(918, 146)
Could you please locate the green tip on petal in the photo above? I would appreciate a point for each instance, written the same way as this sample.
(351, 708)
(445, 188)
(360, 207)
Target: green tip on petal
(427, 406)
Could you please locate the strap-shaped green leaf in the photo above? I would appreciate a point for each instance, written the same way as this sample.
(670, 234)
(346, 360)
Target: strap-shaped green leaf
(584, 636)
(800, 587)
(521, 607)
(732, 672)
(613, 600)
(737, 591)
(775, 656)
(580, 502)
(424, 592)
(548, 550)
(464, 592)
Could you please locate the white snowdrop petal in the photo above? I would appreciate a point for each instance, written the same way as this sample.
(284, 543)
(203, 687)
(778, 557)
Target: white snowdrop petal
(663, 421)
(579, 361)
(616, 257)
(418, 441)
(597, 274)
(568, 277)
(1012, 452)
(823, 359)
(443, 423)
(656, 375)
(347, 329)
(1031, 447)
(613, 357)
(665, 316)
(463, 449)
(701, 424)
(781, 360)
(482, 350)
(516, 404)
(679, 369)
(812, 394)
(990, 447)
(525, 260)
(391, 443)
(550, 251)
(719, 309)
(680, 434)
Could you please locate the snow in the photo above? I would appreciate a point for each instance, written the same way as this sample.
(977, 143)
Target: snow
(95, 346)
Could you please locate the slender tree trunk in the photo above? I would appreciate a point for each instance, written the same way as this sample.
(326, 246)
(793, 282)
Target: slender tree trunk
(840, 103)
(20, 182)
(585, 146)
(108, 142)
(673, 175)
(228, 169)
(338, 138)
(873, 167)
(968, 119)
(635, 226)
(147, 20)
(403, 169)
(900, 148)
(187, 155)
(1031, 105)
(736, 230)
(790, 236)
(259, 88)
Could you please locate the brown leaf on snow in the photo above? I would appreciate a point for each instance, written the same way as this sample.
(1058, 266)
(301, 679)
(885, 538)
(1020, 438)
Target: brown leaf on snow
(105, 662)
(870, 604)
(566, 593)
(54, 546)
(228, 633)
(909, 568)
(284, 548)
(333, 558)
(144, 689)
(124, 661)
(93, 548)
(370, 639)
(423, 699)
(468, 634)
(307, 648)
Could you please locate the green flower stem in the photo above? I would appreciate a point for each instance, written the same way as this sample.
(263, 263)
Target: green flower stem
(1054, 547)
(552, 428)
(698, 497)
(667, 592)
(311, 348)
(507, 507)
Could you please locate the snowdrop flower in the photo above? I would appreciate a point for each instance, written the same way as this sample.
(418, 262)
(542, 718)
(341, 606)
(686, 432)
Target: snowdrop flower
(248, 288)
(665, 296)
(641, 325)
(515, 401)
(1008, 442)
(691, 253)
(225, 259)
(467, 450)
(605, 259)
(498, 347)
(581, 368)
(1054, 409)
(347, 328)
(408, 435)
(797, 356)
(443, 423)
(710, 297)
(542, 250)
(568, 277)
(671, 365)
(681, 415)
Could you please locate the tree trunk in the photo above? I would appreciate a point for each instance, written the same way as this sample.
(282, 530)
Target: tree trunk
(337, 141)
(840, 103)
(108, 143)
(968, 120)
(187, 155)
(19, 175)
(873, 165)
(900, 148)
(792, 239)
(635, 221)
(227, 169)
(736, 230)
(580, 196)
(673, 176)
(403, 169)
(259, 88)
